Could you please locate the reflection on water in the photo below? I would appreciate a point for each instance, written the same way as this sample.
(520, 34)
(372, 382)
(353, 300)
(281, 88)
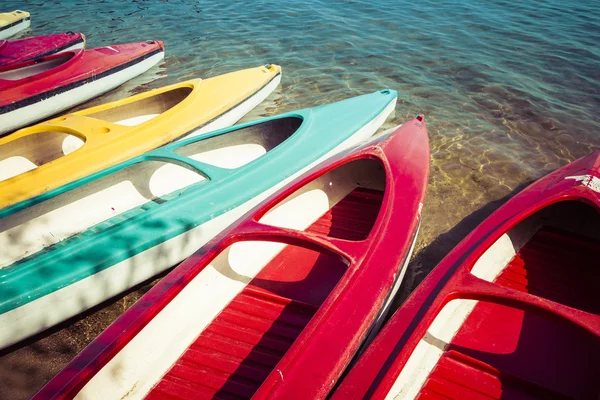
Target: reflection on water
(510, 90)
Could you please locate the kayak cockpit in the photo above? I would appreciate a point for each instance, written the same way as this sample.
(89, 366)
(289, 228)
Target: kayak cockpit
(31, 151)
(560, 242)
(242, 344)
(238, 148)
(351, 194)
(31, 68)
(257, 297)
(503, 345)
(143, 110)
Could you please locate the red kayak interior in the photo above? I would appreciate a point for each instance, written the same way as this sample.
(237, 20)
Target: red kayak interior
(233, 356)
(18, 51)
(501, 352)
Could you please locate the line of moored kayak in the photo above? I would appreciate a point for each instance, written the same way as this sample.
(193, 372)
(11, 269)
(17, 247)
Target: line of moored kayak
(289, 237)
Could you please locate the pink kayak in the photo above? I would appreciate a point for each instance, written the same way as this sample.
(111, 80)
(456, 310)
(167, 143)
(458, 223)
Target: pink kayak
(17, 51)
(512, 312)
(33, 90)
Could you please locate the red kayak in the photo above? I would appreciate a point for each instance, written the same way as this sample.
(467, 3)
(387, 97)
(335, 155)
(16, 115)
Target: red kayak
(17, 51)
(36, 89)
(513, 312)
(276, 306)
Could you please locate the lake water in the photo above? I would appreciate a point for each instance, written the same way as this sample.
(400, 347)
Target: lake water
(510, 91)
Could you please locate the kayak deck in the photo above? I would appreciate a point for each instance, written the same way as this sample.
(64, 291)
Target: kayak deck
(511, 353)
(233, 356)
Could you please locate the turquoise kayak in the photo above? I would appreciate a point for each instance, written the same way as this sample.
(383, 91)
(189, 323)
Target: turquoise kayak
(78, 245)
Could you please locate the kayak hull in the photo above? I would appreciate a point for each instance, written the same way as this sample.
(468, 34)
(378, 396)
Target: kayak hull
(77, 77)
(16, 22)
(142, 260)
(325, 343)
(511, 312)
(19, 51)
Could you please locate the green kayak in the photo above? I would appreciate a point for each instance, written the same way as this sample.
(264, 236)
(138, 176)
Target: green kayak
(76, 246)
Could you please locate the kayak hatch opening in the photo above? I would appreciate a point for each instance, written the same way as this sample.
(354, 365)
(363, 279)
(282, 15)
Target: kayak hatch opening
(34, 68)
(236, 148)
(31, 151)
(140, 111)
(346, 200)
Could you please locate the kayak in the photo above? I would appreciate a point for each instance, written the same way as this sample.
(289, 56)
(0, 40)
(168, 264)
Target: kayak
(13, 22)
(96, 237)
(512, 312)
(44, 157)
(35, 89)
(18, 51)
(275, 306)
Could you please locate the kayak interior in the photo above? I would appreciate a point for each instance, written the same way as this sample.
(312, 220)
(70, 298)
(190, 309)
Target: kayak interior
(256, 297)
(31, 68)
(239, 147)
(142, 110)
(133, 189)
(29, 152)
(503, 350)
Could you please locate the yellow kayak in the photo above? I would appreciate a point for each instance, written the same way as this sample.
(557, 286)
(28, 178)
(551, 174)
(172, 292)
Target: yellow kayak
(13, 22)
(49, 155)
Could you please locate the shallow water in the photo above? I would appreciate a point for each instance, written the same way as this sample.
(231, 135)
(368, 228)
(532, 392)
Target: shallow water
(510, 91)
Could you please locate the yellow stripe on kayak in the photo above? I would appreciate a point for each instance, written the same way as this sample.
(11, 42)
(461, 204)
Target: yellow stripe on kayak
(108, 143)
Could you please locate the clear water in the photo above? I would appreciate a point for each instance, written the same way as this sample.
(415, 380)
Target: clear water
(510, 90)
